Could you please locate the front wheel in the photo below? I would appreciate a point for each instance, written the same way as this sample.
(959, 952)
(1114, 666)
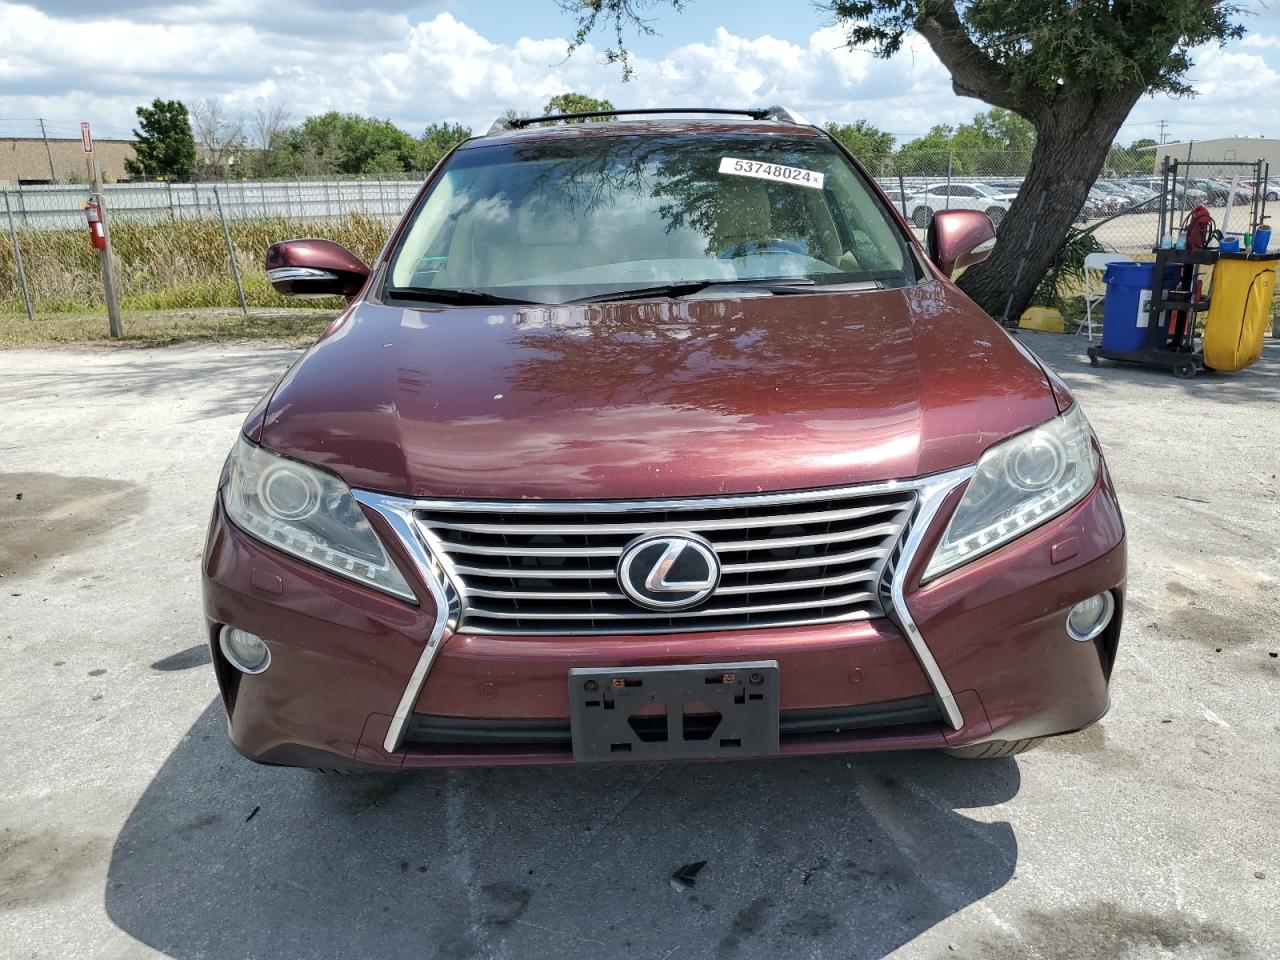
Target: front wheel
(1184, 369)
(922, 216)
(995, 749)
(997, 215)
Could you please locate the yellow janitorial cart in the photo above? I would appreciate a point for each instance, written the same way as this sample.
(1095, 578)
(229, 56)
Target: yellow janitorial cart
(1239, 309)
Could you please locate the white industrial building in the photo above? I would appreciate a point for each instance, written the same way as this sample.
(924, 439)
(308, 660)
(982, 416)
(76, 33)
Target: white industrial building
(1227, 149)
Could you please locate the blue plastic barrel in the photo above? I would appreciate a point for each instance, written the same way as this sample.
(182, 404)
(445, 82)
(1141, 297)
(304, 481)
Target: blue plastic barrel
(1125, 311)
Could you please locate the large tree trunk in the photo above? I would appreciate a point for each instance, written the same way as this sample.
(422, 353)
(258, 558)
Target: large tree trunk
(1073, 136)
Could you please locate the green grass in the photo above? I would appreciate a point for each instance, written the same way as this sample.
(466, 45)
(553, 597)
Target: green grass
(157, 327)
(175, 265)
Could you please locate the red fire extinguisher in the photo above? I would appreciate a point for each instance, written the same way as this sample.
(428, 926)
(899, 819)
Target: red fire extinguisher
(96, 235)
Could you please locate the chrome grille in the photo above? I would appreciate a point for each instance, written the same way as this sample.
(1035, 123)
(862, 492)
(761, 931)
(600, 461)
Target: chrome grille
(549, 567)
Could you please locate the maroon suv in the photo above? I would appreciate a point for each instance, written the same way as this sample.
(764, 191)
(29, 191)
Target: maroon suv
(654, 439)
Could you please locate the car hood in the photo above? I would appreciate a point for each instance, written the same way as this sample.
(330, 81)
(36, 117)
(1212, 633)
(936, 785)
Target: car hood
(655, 399)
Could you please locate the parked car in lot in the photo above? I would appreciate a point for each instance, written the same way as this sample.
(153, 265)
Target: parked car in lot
(1272, 191)
(658, 439)
(1185, 197)
(958, 196)
(1122, 195)
(1216, 193)
(897, 197)
(1097, 203)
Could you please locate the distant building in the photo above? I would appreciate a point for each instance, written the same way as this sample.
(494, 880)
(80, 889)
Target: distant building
(28, 159)
(1240, 149)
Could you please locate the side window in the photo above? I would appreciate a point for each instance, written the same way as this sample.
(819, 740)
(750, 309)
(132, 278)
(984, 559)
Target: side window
(967, 192)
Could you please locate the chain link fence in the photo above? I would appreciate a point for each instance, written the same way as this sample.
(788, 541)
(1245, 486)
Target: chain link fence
(174, 243)
(171, 250)
(1121, 210)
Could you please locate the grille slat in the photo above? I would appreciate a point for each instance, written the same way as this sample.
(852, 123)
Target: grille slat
(729, 546)
(861, 576)
(576, 528)
(548, 567)
(861, 596)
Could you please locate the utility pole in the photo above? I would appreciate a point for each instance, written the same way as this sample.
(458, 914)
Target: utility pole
(1164, 125)
(47, 152)
(104, 255)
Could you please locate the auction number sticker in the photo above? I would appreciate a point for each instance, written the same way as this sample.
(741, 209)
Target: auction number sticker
(772, 171)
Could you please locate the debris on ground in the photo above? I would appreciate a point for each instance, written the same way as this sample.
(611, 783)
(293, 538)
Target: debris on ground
(685, 877)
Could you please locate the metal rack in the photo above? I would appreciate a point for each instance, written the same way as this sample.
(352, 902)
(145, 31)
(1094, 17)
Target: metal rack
(1165, 345)
(1176, 352)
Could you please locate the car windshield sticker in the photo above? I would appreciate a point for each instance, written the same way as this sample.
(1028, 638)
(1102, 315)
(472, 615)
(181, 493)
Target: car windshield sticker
(772, 171)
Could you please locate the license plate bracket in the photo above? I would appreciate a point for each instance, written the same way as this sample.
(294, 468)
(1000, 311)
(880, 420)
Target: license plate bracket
(682, 712)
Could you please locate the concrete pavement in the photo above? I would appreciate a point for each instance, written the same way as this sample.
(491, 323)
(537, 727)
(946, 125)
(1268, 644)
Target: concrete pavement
(130, 828)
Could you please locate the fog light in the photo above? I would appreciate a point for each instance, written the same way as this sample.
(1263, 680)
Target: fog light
(1088, 618)
(247, 652)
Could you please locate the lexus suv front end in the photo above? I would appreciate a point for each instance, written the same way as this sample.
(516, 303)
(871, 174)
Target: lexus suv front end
(658, 439)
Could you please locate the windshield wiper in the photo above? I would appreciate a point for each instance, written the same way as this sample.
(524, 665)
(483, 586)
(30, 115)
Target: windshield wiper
(454, 297)
(687, 287)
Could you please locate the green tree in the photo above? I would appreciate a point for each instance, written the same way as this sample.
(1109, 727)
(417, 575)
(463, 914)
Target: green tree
(864, 140)
(994, 142)
(996, 129)
(349, 143)
(437, 140)
(163, 143)
(1133, 159)
(928, 155)
(1073, 70)
(576, 103)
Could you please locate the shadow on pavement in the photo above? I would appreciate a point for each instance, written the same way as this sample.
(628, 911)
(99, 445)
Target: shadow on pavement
(1067, 355)
(843, 856)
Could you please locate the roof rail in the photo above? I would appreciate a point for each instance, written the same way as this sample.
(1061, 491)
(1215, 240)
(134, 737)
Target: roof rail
(502, 124)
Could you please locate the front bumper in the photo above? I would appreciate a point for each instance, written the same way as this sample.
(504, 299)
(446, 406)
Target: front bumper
(341, 655)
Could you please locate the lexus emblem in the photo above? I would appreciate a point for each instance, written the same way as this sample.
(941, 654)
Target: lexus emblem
(668, 571)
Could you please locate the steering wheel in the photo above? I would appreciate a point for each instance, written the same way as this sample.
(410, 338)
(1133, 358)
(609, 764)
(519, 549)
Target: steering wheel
(748, 248)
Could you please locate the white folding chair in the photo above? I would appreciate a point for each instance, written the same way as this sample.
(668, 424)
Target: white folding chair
(1096, 264)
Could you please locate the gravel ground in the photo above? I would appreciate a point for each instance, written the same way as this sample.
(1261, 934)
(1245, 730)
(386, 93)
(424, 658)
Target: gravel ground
(130, 828)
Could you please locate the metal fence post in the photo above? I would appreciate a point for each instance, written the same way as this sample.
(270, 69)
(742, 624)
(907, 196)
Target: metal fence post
(105, 262)
(17, 257)
(231, 253)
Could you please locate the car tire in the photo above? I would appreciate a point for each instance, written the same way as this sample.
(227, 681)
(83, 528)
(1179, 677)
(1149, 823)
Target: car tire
(997, 215)
(921, 217)
(995, 749)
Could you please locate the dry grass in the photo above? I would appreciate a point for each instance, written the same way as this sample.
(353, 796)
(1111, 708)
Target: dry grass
(176, 265)
(157, 327)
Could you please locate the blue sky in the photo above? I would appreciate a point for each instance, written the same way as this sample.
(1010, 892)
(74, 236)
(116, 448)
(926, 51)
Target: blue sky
(468, 60)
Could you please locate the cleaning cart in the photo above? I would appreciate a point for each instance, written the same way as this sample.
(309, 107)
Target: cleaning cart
(1152, 311)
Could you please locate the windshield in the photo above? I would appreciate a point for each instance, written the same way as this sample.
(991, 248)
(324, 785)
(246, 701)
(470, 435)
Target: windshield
(556, 220)
(987, 190)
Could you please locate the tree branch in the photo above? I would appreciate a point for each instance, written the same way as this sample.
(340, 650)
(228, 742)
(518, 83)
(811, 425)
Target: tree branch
(973, 73)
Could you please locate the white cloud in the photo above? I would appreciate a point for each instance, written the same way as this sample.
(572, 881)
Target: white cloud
(76, 61)
(1260, 41)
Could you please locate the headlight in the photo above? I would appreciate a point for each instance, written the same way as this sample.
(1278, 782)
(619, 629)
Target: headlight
(1017, 485)
(308, 513)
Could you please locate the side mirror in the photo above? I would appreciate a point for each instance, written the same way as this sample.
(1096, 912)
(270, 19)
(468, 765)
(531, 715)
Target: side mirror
(959, 238)
(315, 268)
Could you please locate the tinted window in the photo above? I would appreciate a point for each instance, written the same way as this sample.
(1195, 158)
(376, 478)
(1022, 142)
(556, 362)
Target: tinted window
(559, 219)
